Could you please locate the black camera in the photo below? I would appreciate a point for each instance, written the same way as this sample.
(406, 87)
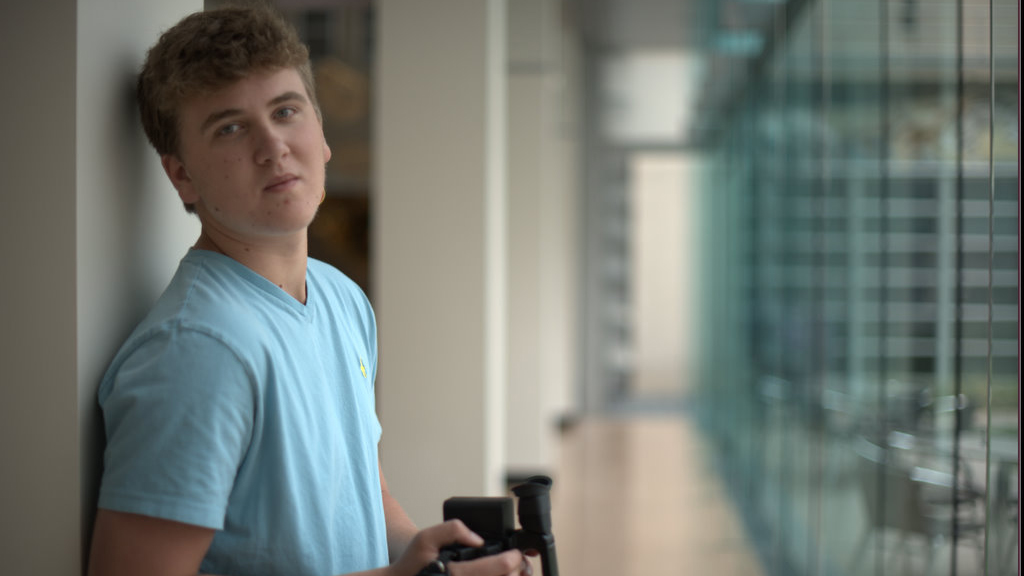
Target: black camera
(494, 520)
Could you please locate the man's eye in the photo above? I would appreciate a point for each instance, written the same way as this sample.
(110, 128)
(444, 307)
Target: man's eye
(286, 112)
(228, 129)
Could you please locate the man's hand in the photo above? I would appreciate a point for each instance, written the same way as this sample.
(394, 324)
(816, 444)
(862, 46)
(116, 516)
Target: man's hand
(427, 544)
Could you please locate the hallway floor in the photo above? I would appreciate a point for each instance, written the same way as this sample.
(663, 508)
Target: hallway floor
(635, 496)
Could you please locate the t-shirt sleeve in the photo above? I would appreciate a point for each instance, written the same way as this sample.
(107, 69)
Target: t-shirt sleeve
(179, 413)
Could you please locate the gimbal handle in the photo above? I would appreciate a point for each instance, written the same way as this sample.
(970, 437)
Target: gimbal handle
(535, 519)
(545, 545)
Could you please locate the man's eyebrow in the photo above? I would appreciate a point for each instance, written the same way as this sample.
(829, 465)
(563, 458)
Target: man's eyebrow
(215, 117)
(287, 97)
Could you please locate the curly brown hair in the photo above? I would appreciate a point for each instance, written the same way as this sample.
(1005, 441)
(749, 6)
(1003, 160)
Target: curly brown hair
(207, 51)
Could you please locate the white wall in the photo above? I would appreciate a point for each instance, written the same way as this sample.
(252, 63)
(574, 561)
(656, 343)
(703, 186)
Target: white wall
(662, 260)
(131, 227)
(39, 529)
(89, 232)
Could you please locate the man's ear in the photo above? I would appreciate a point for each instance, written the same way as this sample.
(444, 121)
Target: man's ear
(180, 178)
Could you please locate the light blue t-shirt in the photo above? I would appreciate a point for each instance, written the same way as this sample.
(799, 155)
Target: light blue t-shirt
(235, 407)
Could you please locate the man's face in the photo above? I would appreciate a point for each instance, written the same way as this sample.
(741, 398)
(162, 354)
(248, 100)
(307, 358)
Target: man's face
(252, 157)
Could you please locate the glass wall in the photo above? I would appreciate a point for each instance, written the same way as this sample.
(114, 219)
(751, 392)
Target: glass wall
(859, 366)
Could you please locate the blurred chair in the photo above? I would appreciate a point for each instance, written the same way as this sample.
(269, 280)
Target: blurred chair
(930, 408)
(1006, 524)
(912, 502)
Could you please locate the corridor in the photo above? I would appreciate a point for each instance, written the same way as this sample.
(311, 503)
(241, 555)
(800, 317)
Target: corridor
(636, 496)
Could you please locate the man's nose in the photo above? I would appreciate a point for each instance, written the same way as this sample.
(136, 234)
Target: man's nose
(271, 144)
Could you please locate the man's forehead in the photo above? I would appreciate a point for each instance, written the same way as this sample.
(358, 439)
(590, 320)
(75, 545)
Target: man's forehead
(253, 91)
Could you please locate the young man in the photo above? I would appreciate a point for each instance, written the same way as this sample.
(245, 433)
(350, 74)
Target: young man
(241, 431)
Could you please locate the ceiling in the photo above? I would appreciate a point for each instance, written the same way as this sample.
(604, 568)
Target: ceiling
(726, 37)
(716, 40)
(616, 25)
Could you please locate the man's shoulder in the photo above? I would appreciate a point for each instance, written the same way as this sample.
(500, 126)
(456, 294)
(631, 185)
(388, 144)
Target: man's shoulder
(327, 272)
(338, 296)
(202, 302)
(332, 280)
(204, 292)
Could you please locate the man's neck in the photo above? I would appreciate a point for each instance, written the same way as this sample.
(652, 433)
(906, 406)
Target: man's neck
(282, 261)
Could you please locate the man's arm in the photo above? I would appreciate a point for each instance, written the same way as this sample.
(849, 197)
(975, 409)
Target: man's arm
(401, 529)
(130, 544)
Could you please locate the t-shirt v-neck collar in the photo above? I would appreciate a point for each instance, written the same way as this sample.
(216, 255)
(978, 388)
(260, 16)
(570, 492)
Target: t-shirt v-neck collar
(254, 279)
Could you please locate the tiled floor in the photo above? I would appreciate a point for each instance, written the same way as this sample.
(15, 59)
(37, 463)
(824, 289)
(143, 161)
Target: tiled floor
(636, 497)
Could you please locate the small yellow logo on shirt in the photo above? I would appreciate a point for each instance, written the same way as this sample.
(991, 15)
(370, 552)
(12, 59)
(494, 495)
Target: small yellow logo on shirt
(362, 367)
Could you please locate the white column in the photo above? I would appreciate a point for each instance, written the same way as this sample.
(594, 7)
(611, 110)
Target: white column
(561, 232)
(84, 241)
(537, 244)
(440, 249)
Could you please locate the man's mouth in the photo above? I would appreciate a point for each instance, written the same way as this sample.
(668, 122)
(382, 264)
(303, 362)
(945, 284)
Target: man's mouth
(281, 183)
